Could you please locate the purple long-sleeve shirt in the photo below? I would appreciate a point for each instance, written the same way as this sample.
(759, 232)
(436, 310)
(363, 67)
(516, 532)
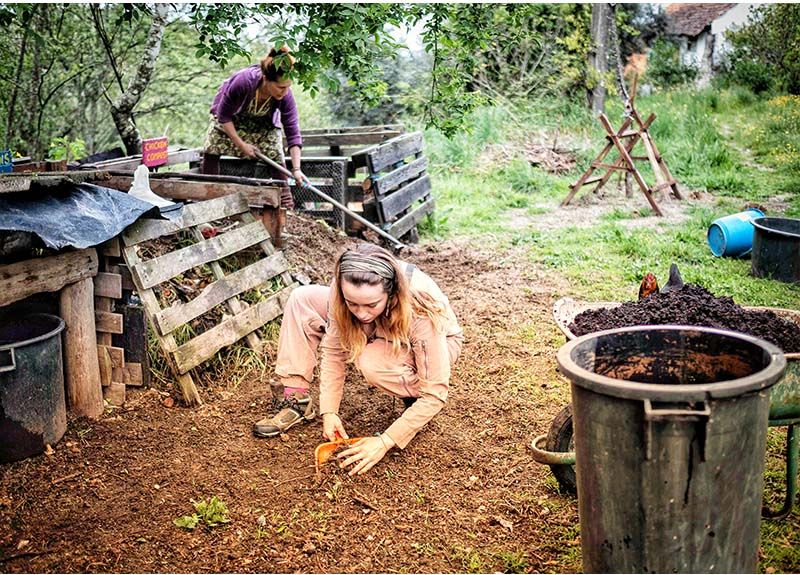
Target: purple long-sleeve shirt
(235, 94)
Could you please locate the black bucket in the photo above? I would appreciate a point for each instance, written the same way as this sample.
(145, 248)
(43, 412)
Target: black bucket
(776, 249)
(32, 409)
(670, 438)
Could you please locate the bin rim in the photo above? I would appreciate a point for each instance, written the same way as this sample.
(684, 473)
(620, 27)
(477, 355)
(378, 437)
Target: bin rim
(592, 381)
(760, 223)
(58, 329)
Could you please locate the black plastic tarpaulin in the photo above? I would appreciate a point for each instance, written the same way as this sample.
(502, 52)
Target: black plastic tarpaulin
(80, 216)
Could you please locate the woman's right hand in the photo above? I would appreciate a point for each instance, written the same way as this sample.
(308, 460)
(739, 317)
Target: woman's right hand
(249, 150)
(331, 426)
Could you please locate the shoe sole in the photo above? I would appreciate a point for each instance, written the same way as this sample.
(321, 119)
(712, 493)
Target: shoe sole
(291, 425)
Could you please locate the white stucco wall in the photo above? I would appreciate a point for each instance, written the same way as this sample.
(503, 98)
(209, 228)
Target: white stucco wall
(733, 19)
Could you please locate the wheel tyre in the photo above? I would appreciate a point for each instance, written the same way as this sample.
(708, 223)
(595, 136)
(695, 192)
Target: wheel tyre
(560, 439)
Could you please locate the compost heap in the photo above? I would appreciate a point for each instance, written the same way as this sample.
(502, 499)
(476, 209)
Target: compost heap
(692, 305)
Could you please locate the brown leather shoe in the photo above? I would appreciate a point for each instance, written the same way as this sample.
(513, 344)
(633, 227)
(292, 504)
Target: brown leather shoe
(291, 411)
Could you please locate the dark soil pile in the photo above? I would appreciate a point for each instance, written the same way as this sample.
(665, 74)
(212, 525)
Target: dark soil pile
(692, 305)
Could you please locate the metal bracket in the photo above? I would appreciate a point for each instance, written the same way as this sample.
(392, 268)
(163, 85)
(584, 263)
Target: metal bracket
(652, 414)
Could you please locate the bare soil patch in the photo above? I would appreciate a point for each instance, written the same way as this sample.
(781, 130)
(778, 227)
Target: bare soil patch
(464, 496)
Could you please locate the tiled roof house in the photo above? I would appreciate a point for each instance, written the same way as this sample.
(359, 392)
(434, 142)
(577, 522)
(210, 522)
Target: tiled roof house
(700, 32)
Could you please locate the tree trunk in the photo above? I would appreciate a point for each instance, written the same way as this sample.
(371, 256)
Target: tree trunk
(122, 108)
(17, 82)
(598, 56)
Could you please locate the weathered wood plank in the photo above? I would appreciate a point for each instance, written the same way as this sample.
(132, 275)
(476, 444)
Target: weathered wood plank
(103, 304)
(115, 393)
(132, 374)
(393, 151)
(130, 163)
(399, 201)
(216, 293)
(104, 363)
(404, 224)
(116, 355)
(348, 139)
(190, 394)
(108, 322)
(125, 274)
(110, 248)
(233, 304)
(108, 285)
(50, 274)
(395, 178)
(153, 272)
(196, 351)
(177, 189)
(193, 214)
(350, 129)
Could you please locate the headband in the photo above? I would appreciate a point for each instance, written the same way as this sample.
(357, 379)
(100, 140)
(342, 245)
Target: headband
(355, 262)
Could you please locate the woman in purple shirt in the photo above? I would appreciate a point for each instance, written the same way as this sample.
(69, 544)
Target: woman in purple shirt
(247, 115)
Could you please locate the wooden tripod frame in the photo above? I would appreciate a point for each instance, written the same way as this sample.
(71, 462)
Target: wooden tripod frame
(624, 140)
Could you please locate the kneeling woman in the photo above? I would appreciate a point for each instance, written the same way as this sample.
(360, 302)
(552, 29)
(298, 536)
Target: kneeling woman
(389, 319)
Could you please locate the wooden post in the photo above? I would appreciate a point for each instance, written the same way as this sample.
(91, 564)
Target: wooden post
(81, 368)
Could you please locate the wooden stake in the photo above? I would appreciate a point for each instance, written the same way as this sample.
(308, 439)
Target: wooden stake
(81, 368)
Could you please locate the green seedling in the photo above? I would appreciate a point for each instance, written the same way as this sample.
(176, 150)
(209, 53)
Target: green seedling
(212, 513)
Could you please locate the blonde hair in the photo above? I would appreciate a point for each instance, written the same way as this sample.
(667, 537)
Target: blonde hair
(403, 305)
(277, 64)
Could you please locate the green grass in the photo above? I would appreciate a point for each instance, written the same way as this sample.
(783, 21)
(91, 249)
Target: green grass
(738, 148)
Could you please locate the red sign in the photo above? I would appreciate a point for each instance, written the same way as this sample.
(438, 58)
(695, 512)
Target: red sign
(154, 152)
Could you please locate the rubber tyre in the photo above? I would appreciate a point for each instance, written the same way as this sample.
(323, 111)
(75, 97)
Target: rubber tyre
(560, 439)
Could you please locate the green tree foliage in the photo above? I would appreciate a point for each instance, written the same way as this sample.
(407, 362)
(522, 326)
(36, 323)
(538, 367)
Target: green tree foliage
(664, 66)
(66, 67)
(536, 49)
(767, 51)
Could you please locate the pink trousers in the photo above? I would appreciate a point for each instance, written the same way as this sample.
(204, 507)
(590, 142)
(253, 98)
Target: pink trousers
(304, 319)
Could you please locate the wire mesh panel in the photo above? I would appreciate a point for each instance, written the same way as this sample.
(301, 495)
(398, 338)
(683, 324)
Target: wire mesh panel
(328, 174)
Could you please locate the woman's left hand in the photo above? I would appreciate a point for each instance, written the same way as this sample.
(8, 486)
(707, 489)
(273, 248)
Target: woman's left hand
(299, 176)
(364, 454)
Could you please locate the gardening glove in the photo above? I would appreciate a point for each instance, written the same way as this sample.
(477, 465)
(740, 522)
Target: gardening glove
(365, 454)
(332, 428)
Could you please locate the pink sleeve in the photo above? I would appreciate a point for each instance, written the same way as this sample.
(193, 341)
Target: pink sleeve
(432, 361)
(331, 369)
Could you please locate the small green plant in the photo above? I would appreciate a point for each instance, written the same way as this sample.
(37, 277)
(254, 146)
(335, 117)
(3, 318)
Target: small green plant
(513, 561)
(419, 497)
(213, 512)
(469, 560)
(334, 491)
(65, 149)
(423, 548)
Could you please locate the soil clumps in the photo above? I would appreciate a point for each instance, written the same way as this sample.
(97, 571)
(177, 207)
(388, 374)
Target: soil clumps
(692, 305)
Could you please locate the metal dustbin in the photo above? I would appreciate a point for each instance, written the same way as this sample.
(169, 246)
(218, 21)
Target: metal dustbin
(670, 430)
(32, 408)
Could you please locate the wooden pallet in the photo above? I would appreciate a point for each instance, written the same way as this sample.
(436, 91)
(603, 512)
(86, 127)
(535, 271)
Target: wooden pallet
(398, 180)
(226, 289)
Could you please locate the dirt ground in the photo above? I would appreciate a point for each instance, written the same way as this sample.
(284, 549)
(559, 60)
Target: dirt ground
(465, 495)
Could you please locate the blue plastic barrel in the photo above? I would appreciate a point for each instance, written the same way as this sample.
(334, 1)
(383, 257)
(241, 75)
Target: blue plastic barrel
(732, 235)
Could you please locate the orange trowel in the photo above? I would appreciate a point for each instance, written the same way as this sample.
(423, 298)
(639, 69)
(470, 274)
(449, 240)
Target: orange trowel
(324, 451)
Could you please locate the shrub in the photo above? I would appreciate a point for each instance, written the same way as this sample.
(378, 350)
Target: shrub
(665, 68)
(751, 74)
